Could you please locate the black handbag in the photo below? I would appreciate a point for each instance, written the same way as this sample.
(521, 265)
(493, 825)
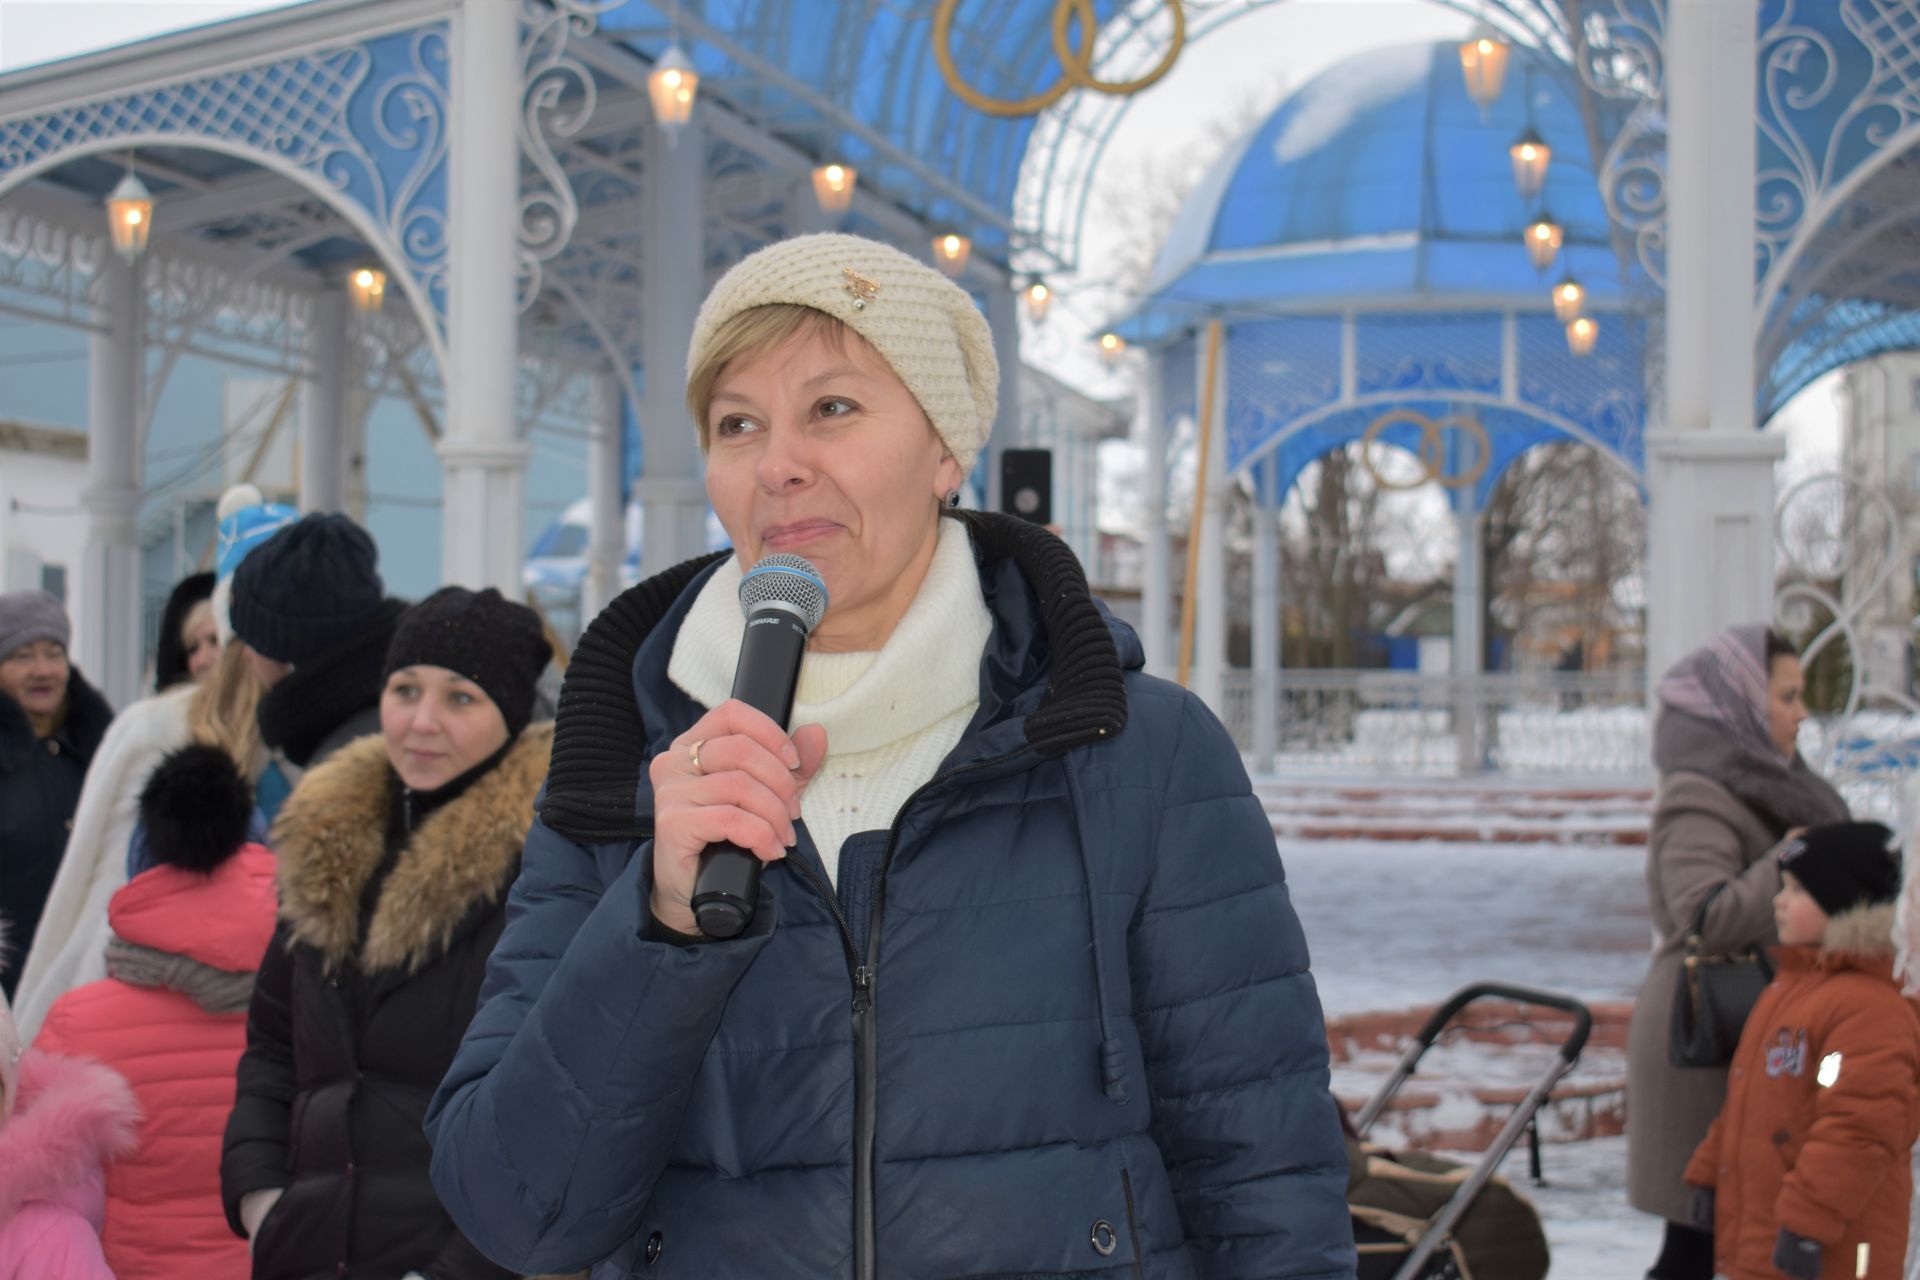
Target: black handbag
(1717, 992)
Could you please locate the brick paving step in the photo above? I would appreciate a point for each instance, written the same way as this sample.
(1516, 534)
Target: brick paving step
(1467, 811)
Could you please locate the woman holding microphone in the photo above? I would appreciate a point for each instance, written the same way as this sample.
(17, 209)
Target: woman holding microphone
(1023, 993)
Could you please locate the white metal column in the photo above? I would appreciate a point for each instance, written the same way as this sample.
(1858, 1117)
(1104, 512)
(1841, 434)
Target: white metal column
(108, 621)
(1210, 611)
(1156, 586)
(323, 407)
(606, 522)
(482, 458)
(671, 489)
(1469, 638)
(1709, 472)
(1266, 623)
(1003, 321)
(804, 215)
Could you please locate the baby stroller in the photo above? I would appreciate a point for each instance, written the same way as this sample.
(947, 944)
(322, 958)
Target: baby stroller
(1414, 1240)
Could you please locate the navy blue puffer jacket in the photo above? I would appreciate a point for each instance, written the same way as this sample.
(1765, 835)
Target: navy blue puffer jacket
(1056, 1022)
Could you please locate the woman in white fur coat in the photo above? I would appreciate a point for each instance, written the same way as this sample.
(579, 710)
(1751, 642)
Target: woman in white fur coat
(64, 954)
(70, 946)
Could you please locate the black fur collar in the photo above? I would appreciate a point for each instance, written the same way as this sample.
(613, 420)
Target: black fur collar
(600, 748)
(87, 718)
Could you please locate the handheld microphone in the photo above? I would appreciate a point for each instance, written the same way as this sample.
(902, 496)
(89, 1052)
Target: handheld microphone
(784, 599)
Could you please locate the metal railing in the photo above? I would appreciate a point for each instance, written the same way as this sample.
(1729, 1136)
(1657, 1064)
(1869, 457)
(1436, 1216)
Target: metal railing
(1404, 722)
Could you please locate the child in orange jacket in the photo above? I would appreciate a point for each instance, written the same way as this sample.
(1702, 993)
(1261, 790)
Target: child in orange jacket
(1805, 1173)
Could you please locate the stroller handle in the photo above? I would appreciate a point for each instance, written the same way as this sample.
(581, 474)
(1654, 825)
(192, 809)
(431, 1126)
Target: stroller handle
(1568, 1054)
(1456, 1208)
(1569, 1048)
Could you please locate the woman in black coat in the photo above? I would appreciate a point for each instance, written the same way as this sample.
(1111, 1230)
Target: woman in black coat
(395, 858)
(51, 722)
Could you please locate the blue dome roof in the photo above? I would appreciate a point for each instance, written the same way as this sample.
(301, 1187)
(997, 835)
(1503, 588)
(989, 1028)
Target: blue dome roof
(1381, 178)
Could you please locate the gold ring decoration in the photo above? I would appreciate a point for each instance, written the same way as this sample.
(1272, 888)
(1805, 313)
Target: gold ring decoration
(1433, 449)
(693, 754)
(1076, 63)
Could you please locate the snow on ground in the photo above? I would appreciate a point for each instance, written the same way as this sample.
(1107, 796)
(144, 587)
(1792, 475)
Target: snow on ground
(1591, 1232)
(1393, 925)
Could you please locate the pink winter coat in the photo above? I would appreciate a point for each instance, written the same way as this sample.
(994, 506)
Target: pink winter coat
(70, 1117)
(172, 1018)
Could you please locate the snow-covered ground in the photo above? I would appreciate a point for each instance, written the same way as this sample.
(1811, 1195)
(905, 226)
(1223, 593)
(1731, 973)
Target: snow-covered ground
(1394, 925)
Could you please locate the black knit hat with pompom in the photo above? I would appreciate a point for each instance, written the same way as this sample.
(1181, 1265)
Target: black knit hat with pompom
(196, 808)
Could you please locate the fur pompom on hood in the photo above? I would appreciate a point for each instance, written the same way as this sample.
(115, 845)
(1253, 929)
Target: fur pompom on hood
(72, 1118)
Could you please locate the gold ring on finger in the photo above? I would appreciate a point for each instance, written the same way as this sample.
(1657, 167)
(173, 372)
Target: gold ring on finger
(693, 754)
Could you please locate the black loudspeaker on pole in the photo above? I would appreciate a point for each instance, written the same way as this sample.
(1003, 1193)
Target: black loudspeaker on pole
(1026, 484)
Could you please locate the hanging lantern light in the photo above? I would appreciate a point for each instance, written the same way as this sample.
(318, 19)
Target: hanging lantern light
(1568, 298)
(1582, 334)
(671, 88)
(1039, 301)
(1544, 237)
(951, 251)
(1531, 155)
(833, 186)
(1483, 61)
(130, 216)
(1112, 347)
(368, 288)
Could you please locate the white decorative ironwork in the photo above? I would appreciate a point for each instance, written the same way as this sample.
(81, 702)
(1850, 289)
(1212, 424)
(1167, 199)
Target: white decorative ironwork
(1815, 138)
(365, 125)
(48, 260)
(1405, 723)
(1056, 183)
(558, 98)
(1843, 545)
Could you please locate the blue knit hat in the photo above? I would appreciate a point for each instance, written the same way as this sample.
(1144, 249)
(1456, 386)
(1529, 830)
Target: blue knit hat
(246, 520)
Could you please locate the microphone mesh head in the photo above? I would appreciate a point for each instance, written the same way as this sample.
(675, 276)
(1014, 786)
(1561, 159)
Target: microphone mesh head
(789, 579)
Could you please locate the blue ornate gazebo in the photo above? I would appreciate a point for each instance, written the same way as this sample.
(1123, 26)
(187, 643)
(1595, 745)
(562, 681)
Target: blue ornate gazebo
(1362, 252)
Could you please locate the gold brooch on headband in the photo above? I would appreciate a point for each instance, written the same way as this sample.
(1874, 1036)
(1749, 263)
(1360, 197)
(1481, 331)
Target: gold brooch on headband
(862, 289)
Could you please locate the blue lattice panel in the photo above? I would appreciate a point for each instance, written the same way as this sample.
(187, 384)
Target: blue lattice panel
(1599, 394)
(1277, 371)
(364, 124)
(1428, 352)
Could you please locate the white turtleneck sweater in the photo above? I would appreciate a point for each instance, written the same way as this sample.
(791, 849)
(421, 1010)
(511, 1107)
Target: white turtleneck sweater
(891, 716)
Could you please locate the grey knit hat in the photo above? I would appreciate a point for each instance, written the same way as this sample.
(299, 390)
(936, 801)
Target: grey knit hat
(924, 326)
(27, 616)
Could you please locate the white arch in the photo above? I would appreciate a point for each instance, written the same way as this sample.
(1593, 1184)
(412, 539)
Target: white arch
(378, 238)
(1062, 120)
(1813, 219)
(1481, 398)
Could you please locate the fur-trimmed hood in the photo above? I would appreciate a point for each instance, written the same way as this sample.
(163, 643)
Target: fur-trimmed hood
(1860, 939)
(1863, 934)
(87, 718)
(331, 838)
(74, 1116)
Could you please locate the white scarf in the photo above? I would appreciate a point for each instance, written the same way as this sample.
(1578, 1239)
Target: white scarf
(891, 715)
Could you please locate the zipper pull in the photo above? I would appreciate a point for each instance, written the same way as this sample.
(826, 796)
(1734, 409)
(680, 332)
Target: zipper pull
(862, 989)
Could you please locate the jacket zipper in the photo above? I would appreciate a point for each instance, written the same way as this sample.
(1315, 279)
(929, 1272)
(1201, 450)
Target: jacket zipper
(866, 1046)
(1133, 1226)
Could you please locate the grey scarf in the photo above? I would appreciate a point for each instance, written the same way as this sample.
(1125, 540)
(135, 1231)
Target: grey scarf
(1713, 721)
(215, 990)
